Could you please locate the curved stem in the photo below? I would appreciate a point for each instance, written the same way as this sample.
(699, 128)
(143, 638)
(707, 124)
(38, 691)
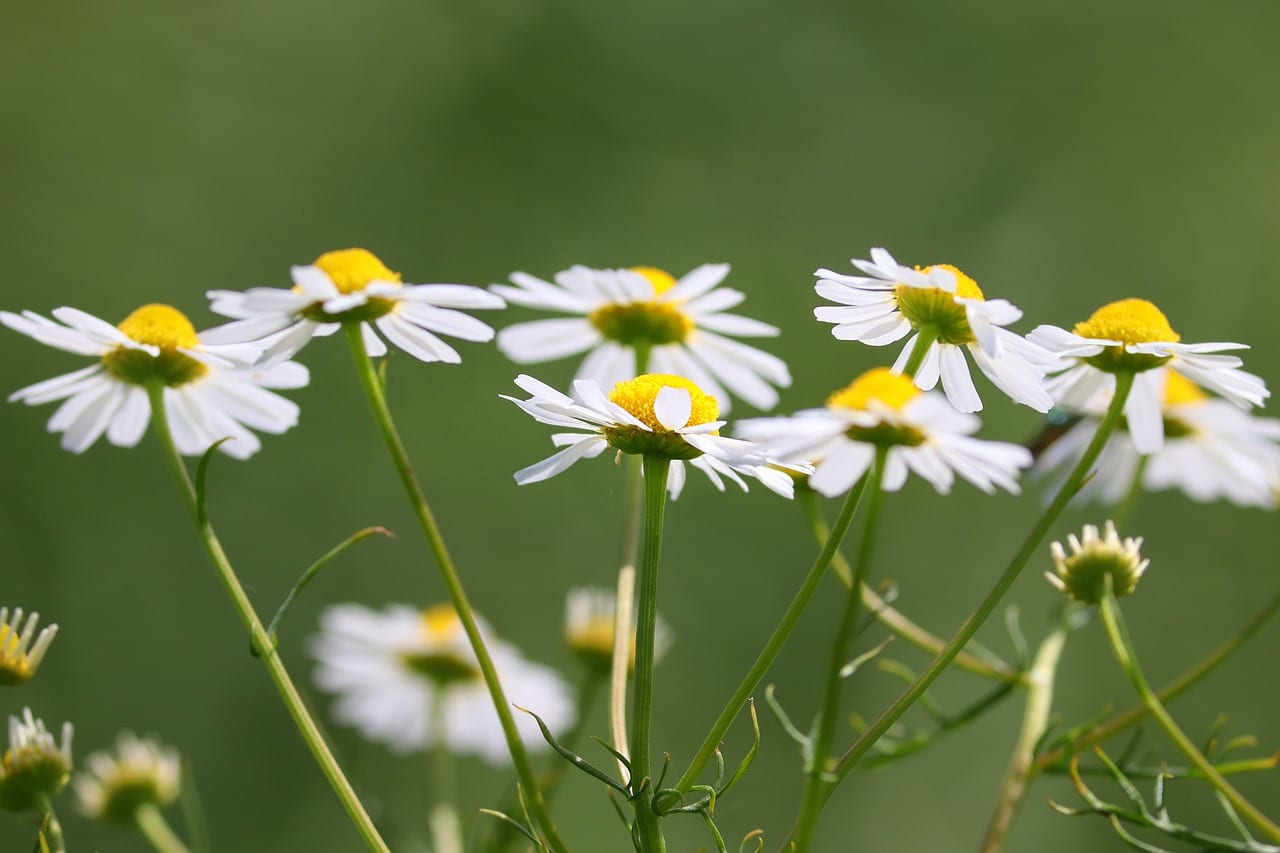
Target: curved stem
(1035, 721)
(1118, 634)
(457, 595)
(1171, 691)
(824, 727)
(776, 640)
(648, 825)
(261, 642)
(1124, 382)
(891, 618)
(52, 830)
(156, 830)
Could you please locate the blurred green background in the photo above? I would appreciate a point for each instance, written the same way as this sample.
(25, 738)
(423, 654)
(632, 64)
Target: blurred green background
(1064, 154)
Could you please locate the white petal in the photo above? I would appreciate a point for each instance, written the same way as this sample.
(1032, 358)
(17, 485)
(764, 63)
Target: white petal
(546, 340)
(417, 342)
(553, 465)
(697, 282)
(1142, 410)
(956, 380)
(131, 419)
(672, 407)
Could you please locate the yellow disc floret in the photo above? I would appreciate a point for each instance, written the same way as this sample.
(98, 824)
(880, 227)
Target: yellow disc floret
(1180, 391)
(936, 309)
(440, 659)
(1130, 321)
(637, 396)
(881, 384)
(441, 623)
(351, 270)
(966, 287)
(160, 326)
(644, 324)
(661, 280)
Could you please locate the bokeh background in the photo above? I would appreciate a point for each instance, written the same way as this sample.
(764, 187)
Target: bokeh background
(1064, 154)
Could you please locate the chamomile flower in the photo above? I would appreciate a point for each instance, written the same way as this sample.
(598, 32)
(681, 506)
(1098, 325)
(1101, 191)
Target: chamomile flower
(1133, 335)
(353, 286)
(893, 301)
(588, 628)
(656, 414)
(19, 656)
(36, 765)
(210, 390)
(1212, 451)
(882, 408)
(1083, 573)
(141, 772)
(408, 678)
(681, 324)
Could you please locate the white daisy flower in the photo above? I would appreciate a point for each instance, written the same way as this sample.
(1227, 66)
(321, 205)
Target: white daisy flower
(407, 678)
(882, 408)
(680, 325)
(35, 766)
(656, 414)
(1133, 335)
(1212, 451)
(1083, 573)
(141, 772)
(588, 628)
(891, 301)
(19, 656)
(210, 390)
(353, 286)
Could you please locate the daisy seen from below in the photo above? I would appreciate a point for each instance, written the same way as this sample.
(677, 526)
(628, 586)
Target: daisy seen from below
(947, 309)
(19, 656)
(589, 624)
(36, 766)
(1084, 573)
(140, 773)
(654, 414)
(645, 319)
(352, 286)
(1133, 336)
(408, 679)
(210, 391)
(1212, 451)
(922, 432)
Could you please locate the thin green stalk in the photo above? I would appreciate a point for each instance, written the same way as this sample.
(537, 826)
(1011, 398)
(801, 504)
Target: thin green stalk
(926, 335)
(457, 595)
(156, 830)
(1035, 721)
(1134, 494)
(648, 822)
(829, 710)
(259, 638)
(1122, 645)
(1171, 691)
(446, 828)
(776, 640)
(891, 618)
(1124, 382)
(52, 829)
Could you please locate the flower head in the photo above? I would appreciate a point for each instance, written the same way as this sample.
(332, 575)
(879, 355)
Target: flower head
(653, 415)
(589, 624)
(352, 286)
(921, 432)
(679, 324)
(210, 391)
(141, 772)
(35, 766)
(19, 656)
(1134, 336)
(407, 678)
(1094, 562)
(892, 301)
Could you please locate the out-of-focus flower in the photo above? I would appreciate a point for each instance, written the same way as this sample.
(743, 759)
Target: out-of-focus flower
(36, 766)
(1083, 573)
(588, 628)
(19, 656)
(141, 772)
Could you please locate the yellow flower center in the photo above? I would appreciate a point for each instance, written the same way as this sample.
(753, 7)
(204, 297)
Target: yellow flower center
(594, 637)
(882, 384)
(1180, 391)
(637, 396)
(661, 280)
(644, 324)
(14, 665)
(937, 309)
(438, 663)
(160, 326)
(441, 622)
(1130, 321)
(351, 270)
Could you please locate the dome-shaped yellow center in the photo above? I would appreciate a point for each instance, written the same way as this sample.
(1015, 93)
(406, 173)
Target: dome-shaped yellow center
(440, 622)
(1130, 321)
(965, 286)
(351, 270)
(661, 280)
(1180, 391)
(161, 326)
(638, 395)
(880, 383)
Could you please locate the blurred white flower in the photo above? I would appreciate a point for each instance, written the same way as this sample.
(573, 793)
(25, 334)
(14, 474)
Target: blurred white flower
(141, 772)
(36, 765)
(588, 628)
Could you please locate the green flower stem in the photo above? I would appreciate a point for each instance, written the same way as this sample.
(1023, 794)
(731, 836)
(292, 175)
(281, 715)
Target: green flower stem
(457, 595)
(446, 828)
(648, 824)
(829, 710)
(891, 618)
(156, 830)
(1052, 759)
(1124, 382)
(1122, 645)
(52, 828)
(259, 638)
(776, 640)
(1134, 494)
(927, 335)
(624, 598)
(1035, 721)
